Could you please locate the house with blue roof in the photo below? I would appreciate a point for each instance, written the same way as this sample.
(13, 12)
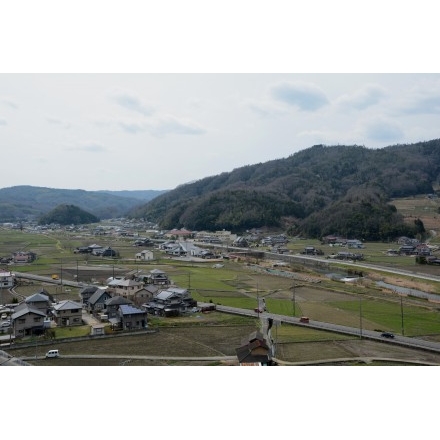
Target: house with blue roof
(132, 318)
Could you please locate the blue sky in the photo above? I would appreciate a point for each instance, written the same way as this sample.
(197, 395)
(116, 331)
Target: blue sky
(129, 101)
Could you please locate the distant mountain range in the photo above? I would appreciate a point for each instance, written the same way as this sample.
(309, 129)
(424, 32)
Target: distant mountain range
(322, 190)
(32, 202)
(345, 190)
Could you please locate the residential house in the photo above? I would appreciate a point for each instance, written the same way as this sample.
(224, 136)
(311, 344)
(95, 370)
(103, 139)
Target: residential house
(24, 257)
(407, 249)
(423, 249)
(112, 306)
(348, 256)
(309, 250)
(166, 245)
(255, 352)
(179, 249)
(145, 255)
(40, 301)
(354, 244)
(105, 252)
(96, 303)
(67, 313)
(7, 280)
(126, 287)
(156, 277)
(170, 302)
(225, 236)
(145, 295)
(132, 318)
(86, 293)
(27, 321)
(179, 233)
(240, 242)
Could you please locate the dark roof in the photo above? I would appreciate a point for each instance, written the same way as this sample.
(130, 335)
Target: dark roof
(37, 297)
(127, 309)
(117, 300)
(244, 354)
(97, 296)
(256, 335)
(88, 289)
(24, 310)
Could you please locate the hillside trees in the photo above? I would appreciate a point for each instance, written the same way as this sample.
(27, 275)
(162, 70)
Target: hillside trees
(320, 190)
(67, 215)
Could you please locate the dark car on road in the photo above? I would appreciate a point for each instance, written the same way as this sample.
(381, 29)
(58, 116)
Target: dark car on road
(387, 335)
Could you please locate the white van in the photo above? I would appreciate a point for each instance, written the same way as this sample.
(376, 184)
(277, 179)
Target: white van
(52, 354)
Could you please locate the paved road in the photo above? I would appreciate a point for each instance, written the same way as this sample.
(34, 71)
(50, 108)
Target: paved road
(359, 332)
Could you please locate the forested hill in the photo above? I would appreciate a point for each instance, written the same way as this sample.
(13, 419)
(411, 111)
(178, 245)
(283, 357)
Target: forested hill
(317, 191)
(31, 202)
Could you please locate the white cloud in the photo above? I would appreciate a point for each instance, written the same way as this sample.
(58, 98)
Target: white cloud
(3, 121)
(89, 147)
(305, 96)
(59, 122)
(383, 130)
(9, 103)
(422, 103)
(132, 103)
(264, 108)
(132, 127)
(364, 97)
(167, 125)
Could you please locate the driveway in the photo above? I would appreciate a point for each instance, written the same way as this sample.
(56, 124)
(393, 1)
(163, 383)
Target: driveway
(89, 319)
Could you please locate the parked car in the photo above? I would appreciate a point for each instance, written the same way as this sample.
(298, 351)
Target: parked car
(387, 335)
(5, 323)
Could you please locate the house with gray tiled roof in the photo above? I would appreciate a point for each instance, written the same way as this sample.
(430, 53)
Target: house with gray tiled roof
(40, 301)
(67, 313)
(27, 320)
(86, 293)
(156, 277)
(170, 302)
(96, 303)
(126, 287)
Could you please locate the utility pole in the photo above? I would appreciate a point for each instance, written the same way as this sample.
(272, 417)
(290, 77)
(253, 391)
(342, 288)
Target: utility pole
(258, 302)
(401, 314)
(360, 316)
(61, 274)
(293, 299)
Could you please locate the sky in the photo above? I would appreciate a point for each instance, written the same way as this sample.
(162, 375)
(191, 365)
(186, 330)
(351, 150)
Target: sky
(157, 131)
(123, 103)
